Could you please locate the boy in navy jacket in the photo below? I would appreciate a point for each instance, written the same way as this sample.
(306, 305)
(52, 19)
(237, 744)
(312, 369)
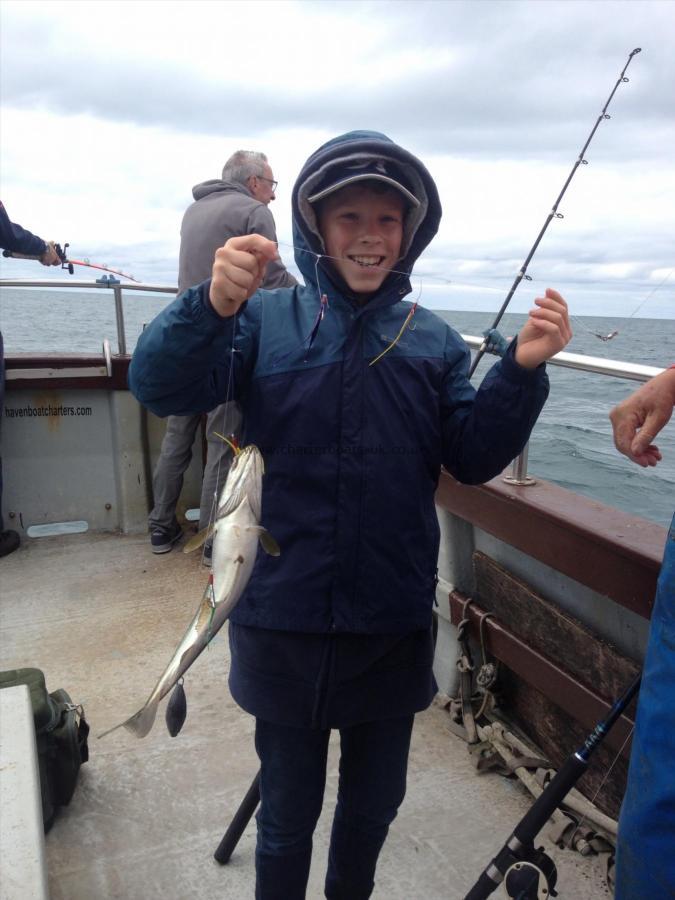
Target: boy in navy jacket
(355, 406)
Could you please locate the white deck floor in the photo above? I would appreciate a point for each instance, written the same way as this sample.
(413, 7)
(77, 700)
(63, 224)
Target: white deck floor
(101, 616)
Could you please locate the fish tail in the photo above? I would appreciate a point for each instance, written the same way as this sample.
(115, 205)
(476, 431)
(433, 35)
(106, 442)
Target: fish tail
(139, 724)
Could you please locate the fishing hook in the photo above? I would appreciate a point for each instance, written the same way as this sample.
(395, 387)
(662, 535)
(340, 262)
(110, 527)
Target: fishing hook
(554, 211)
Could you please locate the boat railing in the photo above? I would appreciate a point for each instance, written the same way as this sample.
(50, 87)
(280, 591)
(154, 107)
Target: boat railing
(598, 365)
(118, 296)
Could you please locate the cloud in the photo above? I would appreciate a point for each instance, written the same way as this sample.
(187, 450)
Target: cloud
(468, 77)
(131, 105)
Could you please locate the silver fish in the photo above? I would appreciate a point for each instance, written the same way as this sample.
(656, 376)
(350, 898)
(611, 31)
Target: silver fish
(235, 543)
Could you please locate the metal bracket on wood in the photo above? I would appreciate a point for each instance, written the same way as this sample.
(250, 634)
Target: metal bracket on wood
(519, 470)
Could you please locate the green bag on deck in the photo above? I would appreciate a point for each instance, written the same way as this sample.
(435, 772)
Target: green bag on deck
(61, 736)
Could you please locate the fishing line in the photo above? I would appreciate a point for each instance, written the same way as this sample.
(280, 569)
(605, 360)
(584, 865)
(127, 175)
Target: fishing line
(612, 334)
(554, 214)
(455, 283)
(651, 293)
(425, 277)
(229, 392)
(320, 256)
(323, 306)
(585, 816)
(308, 340)
(597, 334)
(448, 281)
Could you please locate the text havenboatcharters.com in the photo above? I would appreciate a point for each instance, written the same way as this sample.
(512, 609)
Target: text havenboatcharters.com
(28, 411)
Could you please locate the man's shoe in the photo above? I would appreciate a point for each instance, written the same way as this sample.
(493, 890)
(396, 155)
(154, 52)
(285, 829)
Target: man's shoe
(9, 542)
(163, 539)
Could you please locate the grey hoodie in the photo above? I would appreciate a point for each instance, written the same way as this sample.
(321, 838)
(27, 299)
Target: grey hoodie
(223, 209)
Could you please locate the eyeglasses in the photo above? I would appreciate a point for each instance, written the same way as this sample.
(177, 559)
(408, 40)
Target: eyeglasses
(270, 180)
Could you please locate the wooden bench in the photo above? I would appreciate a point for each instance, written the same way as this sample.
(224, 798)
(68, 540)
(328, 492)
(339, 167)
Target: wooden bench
(23, 867)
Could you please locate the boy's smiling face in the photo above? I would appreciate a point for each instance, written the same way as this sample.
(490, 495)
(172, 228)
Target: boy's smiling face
(362, 229)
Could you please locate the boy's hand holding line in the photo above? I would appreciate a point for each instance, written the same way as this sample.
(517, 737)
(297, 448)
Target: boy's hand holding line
(546, 332)
(238, 271)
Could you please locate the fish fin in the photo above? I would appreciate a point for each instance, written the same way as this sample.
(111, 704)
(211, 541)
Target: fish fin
(231, 502)
(139, 724)
(267, 542)
(200, 538)
(109, 731)
(176, 710)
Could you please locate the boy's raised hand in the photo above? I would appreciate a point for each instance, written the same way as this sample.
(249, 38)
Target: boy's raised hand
(239, 270)
(546, 332)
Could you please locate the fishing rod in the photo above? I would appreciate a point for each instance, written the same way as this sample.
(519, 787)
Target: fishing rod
(528, 872)
(69, 263)
(554, 214)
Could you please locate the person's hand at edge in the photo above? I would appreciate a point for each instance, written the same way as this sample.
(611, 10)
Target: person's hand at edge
(50, 257)
(638, 419)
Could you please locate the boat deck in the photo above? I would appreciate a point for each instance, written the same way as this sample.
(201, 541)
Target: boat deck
(101, 616)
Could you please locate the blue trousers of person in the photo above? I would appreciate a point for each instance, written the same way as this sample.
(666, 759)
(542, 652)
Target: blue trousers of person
(645, 857)
(372, 780)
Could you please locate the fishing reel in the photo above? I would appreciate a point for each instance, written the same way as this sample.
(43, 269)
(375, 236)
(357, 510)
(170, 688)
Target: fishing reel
(61, 253)
(531, 878)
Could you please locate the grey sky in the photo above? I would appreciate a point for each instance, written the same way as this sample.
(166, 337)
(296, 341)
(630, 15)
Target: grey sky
(112, 111)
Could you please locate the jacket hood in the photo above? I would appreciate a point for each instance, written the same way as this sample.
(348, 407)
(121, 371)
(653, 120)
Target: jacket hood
(216, 186)
(420, 224)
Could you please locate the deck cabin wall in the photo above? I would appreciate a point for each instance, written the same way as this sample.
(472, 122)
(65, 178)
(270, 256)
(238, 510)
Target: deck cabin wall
(81, 449)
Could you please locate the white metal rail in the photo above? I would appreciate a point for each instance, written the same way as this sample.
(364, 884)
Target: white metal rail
(611, 367)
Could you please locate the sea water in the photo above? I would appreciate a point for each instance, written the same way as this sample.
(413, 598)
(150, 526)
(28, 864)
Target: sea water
(571, 444)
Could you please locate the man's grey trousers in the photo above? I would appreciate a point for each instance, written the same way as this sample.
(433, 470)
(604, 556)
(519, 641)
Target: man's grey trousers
(175, 456)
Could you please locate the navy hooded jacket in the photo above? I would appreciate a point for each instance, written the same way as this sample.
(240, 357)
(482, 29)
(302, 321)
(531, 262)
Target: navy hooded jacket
(352, 451)
(17, 239)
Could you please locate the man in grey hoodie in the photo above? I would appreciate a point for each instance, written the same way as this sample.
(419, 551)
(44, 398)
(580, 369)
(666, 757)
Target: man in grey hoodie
(237, 204)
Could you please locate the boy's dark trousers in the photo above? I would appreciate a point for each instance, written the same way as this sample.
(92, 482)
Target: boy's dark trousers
(373, 764)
